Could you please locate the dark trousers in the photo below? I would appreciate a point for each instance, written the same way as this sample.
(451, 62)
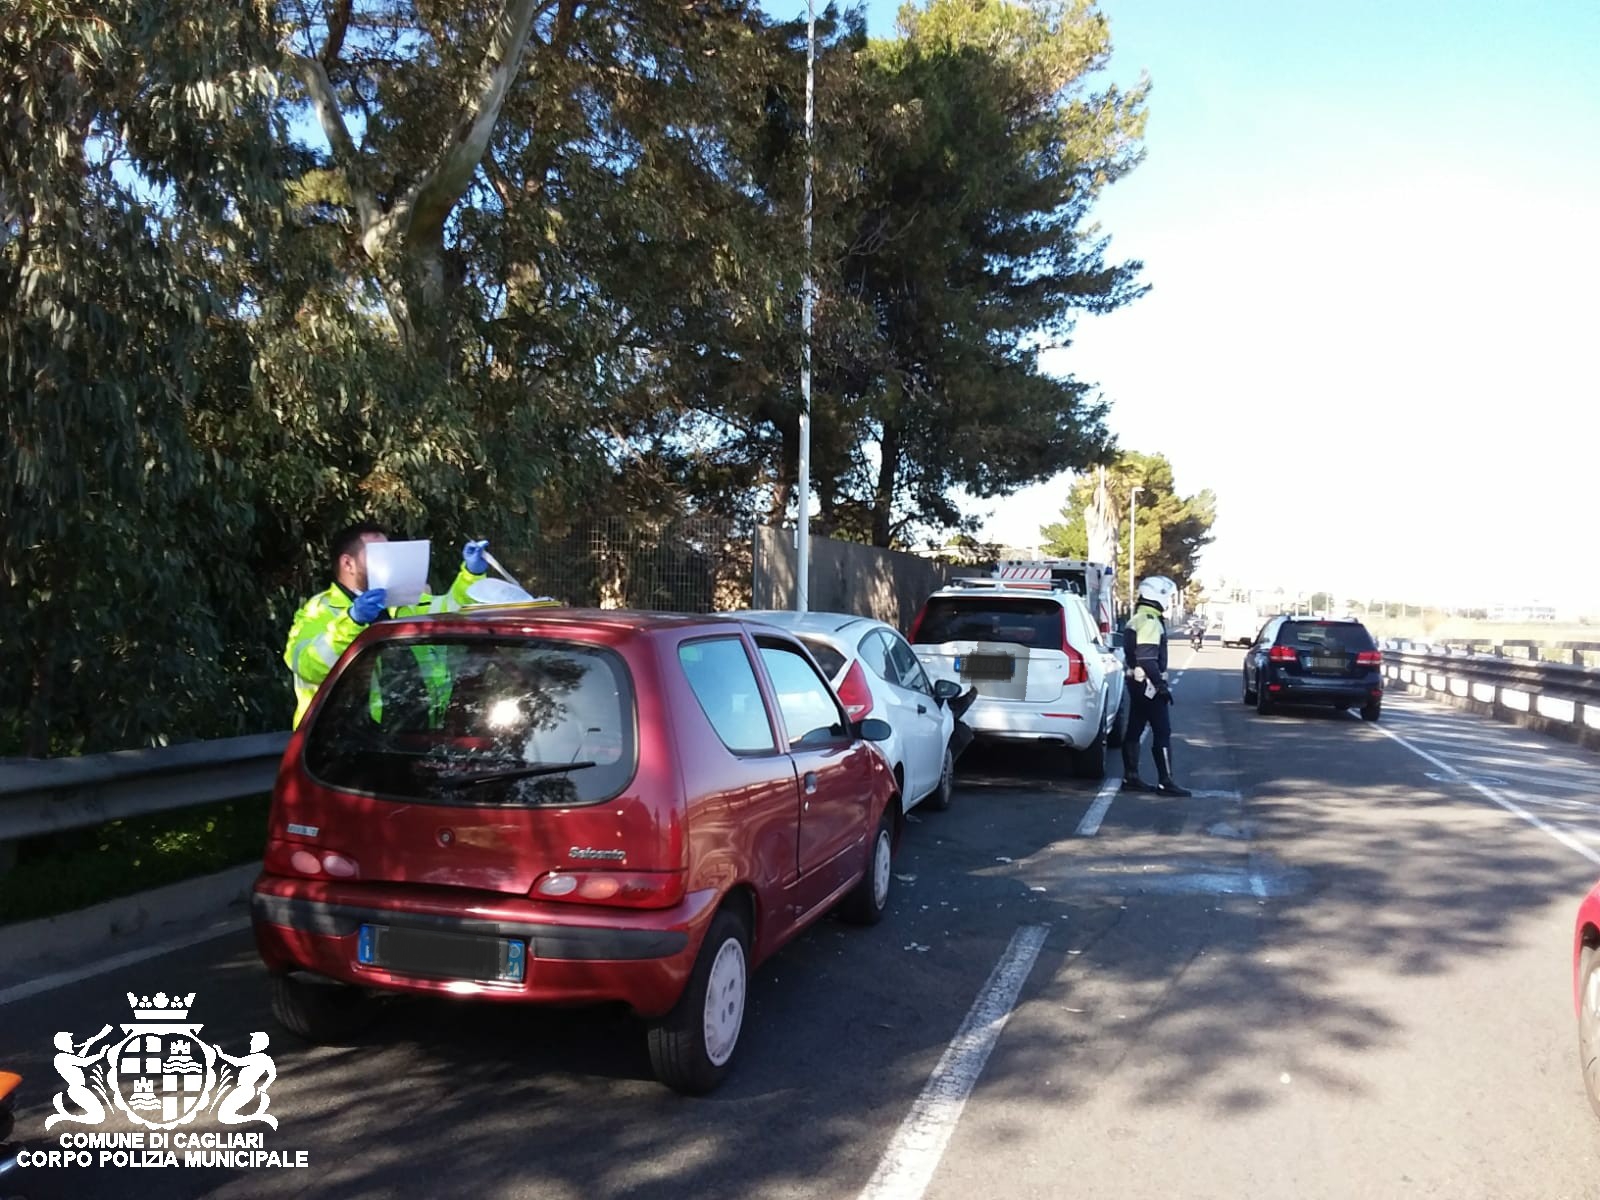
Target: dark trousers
(1144, 711)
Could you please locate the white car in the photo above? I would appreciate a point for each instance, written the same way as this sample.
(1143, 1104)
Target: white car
(1043, 671)
(875, 673)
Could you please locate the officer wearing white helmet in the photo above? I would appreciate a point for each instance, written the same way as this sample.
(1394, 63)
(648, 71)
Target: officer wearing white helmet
(1144, 647)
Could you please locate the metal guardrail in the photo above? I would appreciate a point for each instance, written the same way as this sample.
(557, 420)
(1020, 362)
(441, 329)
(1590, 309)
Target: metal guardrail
(52, 795)
(1516, 682)
(1558, 697)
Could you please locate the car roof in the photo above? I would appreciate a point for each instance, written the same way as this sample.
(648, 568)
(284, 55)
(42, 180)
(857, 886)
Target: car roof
(1004, 591)
(519, 616)
(806, 622)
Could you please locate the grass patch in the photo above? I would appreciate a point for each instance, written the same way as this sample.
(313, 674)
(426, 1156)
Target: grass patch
(64, 872)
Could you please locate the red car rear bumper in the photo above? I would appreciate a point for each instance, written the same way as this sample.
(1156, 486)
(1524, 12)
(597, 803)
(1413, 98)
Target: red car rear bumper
(576, 954)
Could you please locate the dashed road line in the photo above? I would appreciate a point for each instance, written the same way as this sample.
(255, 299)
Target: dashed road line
(907, 1166)
(1090, 825)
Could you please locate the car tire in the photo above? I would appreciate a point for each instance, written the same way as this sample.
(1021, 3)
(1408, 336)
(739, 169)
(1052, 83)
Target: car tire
(1589, 1024)
(1249, 696)
(1090, 762)
(939, 799)
(1264, 702)
(869, 899)
(1372, 711)
(692, 1047)
(321, 1012)
(1119, 725)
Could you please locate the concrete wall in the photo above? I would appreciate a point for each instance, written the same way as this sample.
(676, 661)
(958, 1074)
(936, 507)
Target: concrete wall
(848, 577)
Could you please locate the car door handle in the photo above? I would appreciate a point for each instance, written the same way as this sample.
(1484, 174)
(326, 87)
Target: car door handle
(810, 781)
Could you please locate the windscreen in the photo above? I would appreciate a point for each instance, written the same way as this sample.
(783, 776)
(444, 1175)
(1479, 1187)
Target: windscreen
(1019, 620)
(478, 721)
(1341, 637)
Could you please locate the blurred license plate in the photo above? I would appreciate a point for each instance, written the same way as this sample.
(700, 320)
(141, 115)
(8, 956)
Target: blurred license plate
(444, 955)
(985, 666)
(1327, 664)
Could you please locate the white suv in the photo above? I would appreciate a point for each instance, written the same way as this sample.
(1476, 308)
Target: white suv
(1039, 664)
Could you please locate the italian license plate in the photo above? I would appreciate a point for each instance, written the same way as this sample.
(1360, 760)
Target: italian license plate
(443, 955)
(1328, 664)
(985, 666)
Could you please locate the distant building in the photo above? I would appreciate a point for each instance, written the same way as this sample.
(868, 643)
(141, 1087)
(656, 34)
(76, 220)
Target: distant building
(1522, 612)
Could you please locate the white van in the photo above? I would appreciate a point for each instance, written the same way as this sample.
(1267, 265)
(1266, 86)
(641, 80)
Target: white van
(1239, 623)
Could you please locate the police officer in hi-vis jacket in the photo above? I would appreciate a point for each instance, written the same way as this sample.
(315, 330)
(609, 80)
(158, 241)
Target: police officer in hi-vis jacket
(1144, 649)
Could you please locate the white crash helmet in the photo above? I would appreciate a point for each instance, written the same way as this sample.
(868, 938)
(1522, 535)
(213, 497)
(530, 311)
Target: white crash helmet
(499, 591)
(1159, 590)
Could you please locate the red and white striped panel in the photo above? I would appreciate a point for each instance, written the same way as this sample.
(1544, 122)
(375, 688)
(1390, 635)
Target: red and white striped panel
(1025, 573)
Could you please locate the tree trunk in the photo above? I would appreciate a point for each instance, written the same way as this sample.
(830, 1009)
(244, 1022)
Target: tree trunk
(883, 494)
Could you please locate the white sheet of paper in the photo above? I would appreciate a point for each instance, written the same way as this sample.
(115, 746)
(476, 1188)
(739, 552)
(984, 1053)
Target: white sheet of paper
(401, 568)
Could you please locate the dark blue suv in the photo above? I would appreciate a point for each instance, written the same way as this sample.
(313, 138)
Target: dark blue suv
(1306, 660)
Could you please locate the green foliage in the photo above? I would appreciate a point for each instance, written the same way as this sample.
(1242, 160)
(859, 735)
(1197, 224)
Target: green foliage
(489, 268)
(968, 248)
(112, 522)
(1169, 531)
(69, 871)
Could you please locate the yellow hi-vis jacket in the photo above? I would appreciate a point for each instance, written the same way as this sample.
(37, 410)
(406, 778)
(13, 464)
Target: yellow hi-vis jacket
(323, 630)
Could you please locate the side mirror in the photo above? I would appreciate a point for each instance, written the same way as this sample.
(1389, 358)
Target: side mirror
(945, 690)
(873, 730)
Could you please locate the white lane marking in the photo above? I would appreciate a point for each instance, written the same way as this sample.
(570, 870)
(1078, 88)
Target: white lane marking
(49, 983)
(913, 1154)
(1488, 793)
(1090, 825)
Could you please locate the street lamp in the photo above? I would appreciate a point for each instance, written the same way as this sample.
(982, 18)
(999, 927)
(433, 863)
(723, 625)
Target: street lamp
(802, 591)
(1133, 517)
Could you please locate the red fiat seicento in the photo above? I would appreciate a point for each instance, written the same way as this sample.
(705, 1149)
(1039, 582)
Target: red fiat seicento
(552, 806)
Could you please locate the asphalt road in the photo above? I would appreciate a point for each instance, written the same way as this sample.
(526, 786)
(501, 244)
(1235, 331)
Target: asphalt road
(1341, 970)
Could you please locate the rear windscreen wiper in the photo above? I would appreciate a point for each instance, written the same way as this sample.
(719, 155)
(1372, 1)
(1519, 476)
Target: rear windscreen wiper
(522, 771)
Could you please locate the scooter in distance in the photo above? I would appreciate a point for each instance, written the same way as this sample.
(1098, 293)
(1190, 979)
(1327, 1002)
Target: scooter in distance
(1197, 636)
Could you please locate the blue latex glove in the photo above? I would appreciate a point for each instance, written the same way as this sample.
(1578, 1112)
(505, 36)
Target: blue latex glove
(368, 607)
(472, 555)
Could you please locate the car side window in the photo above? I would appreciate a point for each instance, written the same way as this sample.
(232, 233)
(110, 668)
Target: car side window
(1080, 628)
(1269, 632)
(874, 651)
(724, 682)
(810, 712)
(907, 667)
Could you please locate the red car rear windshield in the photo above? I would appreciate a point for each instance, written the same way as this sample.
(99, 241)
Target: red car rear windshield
(1019, 620)
(478, 722)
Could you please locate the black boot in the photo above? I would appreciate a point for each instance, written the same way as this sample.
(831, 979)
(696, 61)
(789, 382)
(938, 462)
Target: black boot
(1168, 785)
(1130, 766)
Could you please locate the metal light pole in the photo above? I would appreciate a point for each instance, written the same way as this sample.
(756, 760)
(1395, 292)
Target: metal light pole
(1133, 522)
(802, 591)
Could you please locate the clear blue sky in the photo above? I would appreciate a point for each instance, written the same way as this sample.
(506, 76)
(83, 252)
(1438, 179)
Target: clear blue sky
(1371, 231)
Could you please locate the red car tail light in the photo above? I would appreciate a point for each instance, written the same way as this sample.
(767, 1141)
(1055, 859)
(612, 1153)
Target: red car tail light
(622, 889)
(854, 693)
(1283, 654)
(1370, 658)
(917, 624)
(1077, 669)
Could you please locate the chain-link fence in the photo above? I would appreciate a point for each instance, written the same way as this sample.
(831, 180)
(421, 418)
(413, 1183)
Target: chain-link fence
(695, 564)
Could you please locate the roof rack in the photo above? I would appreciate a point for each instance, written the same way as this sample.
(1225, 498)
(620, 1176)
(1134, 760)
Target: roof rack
(991, 584)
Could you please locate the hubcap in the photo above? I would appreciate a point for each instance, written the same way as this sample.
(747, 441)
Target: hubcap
(880, 869)
(725, 1002)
